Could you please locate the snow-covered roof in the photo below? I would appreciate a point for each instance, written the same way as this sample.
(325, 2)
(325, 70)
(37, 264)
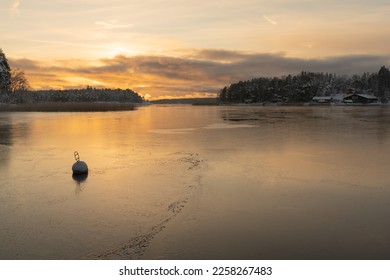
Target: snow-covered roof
(367, 96)
(322, 98)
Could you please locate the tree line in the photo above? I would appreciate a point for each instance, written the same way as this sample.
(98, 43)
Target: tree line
(305, 85)
(14, 88)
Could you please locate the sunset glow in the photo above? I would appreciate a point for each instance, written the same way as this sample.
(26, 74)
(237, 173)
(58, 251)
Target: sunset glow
(189, 48)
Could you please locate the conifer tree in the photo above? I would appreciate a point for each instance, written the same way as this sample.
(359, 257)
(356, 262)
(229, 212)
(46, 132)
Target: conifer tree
(383, 78)
(5, 73)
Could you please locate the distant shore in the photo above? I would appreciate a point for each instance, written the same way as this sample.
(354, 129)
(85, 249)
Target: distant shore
(68, 107)
(191, 101)
(126, 106)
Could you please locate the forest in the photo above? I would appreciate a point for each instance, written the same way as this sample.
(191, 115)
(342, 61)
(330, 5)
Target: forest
(87, 94)
(305, 85)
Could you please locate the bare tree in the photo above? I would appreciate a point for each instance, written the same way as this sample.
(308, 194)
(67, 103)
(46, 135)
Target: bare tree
(19, 82)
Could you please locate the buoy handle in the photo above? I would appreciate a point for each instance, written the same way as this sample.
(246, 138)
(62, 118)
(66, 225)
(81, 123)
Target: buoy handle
(76, 156)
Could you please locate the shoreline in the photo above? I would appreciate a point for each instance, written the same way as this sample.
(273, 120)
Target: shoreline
(124, 106)
(69, 107)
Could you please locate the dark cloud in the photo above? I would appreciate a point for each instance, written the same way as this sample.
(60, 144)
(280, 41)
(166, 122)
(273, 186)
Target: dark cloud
(219, 55)
(23, 63)
(221, 65)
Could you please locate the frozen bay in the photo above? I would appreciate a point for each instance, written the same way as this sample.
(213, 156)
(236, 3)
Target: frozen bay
(197, 182)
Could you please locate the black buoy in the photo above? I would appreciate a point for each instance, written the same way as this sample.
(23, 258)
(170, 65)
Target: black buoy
(79, 167)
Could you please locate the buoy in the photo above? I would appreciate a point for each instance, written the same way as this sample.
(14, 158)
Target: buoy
(79, 167)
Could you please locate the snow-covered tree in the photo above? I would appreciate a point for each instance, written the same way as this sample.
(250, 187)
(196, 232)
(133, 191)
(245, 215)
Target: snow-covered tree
(5, 73)
(303, 86)
(383, 83)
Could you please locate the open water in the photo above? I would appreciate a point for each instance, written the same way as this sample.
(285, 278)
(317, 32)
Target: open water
(197, 182)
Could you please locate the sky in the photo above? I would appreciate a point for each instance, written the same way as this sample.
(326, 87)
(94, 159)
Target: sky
(189, 48)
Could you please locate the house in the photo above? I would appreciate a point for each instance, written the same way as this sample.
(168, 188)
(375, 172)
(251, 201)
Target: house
(360, 98)
(322, 99)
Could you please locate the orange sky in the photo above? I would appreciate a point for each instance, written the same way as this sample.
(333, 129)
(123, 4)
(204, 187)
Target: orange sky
(189, 47)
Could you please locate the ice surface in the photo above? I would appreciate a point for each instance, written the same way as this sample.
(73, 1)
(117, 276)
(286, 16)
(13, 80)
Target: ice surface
(221, 182)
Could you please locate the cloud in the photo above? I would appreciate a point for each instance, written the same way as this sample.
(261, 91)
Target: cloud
(112, 25)
(218, 55)
(270, 20)
(201, 73)
(15, 4)
(23, 63)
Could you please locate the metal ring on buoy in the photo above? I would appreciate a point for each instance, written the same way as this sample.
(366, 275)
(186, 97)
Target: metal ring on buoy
(76, 156)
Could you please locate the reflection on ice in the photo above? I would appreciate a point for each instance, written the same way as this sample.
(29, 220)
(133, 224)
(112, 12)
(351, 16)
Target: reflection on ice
(172, 131)
(80, 180)
(227, 126)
